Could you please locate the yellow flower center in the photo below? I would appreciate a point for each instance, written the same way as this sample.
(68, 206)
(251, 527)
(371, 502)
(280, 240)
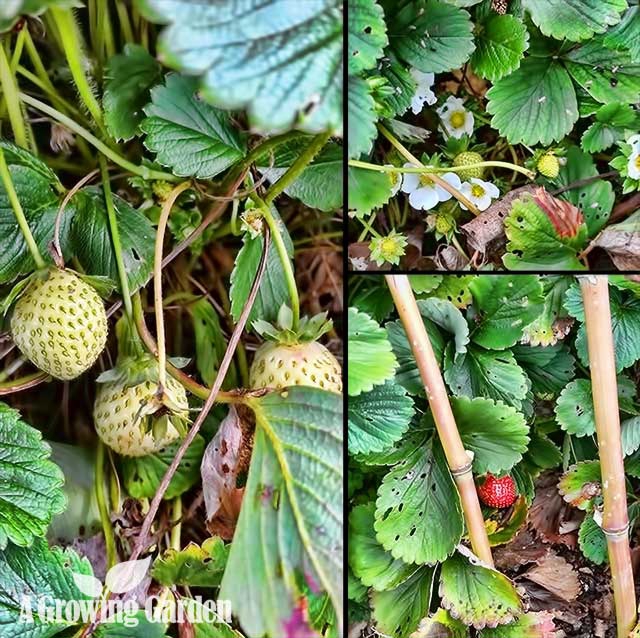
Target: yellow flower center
(387, 246)
(395, 178)
(457, 119)
(425, 181)
(477, 190)
(636, 161)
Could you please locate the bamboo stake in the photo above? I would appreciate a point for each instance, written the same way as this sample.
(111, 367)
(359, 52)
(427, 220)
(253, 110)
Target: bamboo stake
(457, 457)
(615, 520)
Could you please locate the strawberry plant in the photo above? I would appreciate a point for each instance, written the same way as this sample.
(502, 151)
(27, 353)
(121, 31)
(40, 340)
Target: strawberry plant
(170, 273)
(493, 133)
(532, 392)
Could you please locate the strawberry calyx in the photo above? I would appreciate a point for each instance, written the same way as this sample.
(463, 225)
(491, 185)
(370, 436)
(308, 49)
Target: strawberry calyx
(309, 328)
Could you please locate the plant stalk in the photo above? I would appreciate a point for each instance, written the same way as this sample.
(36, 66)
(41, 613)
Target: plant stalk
(10, 91)
(615, 519)
(457, 457)
(19, 212)
(107, 528)
(71, 42)
(157, 279)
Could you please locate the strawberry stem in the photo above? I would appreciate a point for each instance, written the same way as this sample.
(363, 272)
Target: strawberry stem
(10, 91)
(157, 279)
(615, 519)
(107, 529)
(422, 169)
(19, 213)
(457, 457)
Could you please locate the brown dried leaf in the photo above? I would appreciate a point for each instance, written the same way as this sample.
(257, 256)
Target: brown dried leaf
(219, 470)
(622, 242)
(524, 549)
(549, 512)
(556, 575)
(565, 217)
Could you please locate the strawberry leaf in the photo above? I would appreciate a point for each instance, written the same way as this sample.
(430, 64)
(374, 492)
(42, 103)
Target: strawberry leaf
(367, 35)
(319, 185)
(282, 61)
(441, 625)
(30, 483)
(626, 34)
(592, 541)
(361, 118)
(193, 565)
(477, 595)
(290, 525)
(128, 79)
(29, 575)
(368, 190)
(371, 360)
(499, 47)
(612, 122)
(574, 19)
(379, 418)
(525, 103)
(92, 244)
(581, 485)
(191, 137)
(418, 511)
(398, 612)
(549, 368)
(370, 562)
(505, 306)
(486, 373)
(143, 474)
(429, 35)
(496, 433)
(535, 624)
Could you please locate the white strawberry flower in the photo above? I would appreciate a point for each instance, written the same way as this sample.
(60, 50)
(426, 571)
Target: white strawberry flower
(424, 193)
(480, 193)
(633, 167)
(424, 92)
(456, 120)
(396, 180)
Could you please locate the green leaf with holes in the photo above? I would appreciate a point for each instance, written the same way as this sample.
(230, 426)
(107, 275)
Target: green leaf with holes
(29, 575)
(592, 541)
(505, 306)
(535, 244)
(456, 289)
(290, 527)
(605, 74)
(429, 35)
(486, 373)
(478, 595)
(580, 485)
(30, 483)
(574, 19)
(193, 565)
(496, 433)
(425, 283)
(625, 320)
(143, 475)
(536, 104)
(367, 35)
(596, 199)
(128, 78)
(281, 61)
(611, 125)
(92, 244)
(370, 562)
(549, 368)
(626, 34)
(188, 135)
(362, 118)
(379, 418)
(398, 612)
(500, 45)
(371, 359)
(418, 511)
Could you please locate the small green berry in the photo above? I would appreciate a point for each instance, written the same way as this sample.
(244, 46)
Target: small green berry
(466, 158)
(549, 166)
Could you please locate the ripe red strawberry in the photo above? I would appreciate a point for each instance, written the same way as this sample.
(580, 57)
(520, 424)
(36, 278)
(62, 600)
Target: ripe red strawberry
(498, 492)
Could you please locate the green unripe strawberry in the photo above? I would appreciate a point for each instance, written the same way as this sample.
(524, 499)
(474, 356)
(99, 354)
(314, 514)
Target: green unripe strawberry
(279, 365)
(59, 324)
(444, 224)
(548, 166)
(133, 422)
(465, 159)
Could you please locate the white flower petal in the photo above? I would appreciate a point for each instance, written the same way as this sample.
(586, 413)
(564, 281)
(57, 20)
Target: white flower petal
(424, 198)
(483, 202)
(634, 142)
(410, 182)
(633, 169)
(453, 179)
(492, 190)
